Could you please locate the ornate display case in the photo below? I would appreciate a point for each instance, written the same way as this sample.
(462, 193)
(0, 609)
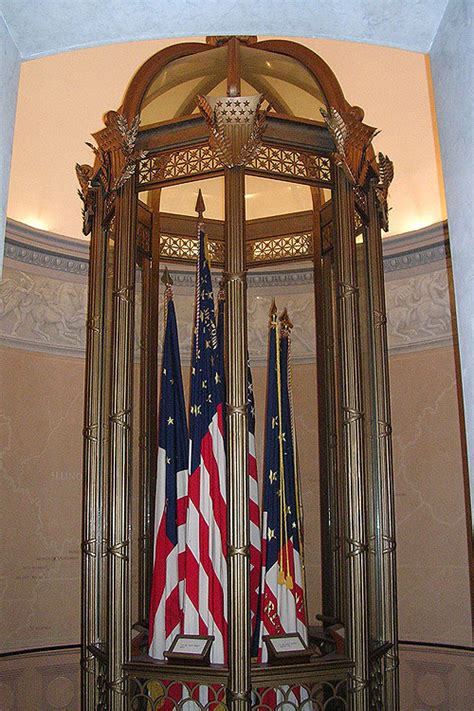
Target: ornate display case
(235, 107)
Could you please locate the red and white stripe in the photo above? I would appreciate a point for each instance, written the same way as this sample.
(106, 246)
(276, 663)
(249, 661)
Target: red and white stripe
(205, 591)
(283, 609)
(168, 574)
(255, 535)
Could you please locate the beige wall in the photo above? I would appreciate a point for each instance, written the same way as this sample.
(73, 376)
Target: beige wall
(40, 477)
(42, 309)
(41, 421)
(433, 575)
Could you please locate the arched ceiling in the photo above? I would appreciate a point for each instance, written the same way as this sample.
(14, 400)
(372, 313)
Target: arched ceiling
(51, 26)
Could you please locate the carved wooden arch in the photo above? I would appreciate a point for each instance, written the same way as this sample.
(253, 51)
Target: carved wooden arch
(321, 71)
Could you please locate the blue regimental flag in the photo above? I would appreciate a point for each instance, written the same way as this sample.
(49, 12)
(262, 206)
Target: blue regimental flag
(205, 599)
(170, 500)
(282, 605)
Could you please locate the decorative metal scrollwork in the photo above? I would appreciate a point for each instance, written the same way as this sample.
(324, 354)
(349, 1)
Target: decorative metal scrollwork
(292, 164)
(358, 224)
(352, 139)
(184, 248)
(154, 694)
(161, 167)
(87, 194)
(259, 251)
(317, 696)
(355, 548)
(281, 247)
(386, 173)
(119, 550)
(115, 162)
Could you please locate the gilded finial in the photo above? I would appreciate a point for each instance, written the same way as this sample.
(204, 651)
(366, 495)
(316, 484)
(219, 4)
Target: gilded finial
(200, 205)
(273, 313)
(285, 324)
(167, 280)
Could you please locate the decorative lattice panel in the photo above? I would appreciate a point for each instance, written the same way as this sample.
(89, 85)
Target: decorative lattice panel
(173, 166)
(319, 696)
(259, 251)
(280, 248)
(183, 248)
(163, 167)
(154, 694)
(292, 164)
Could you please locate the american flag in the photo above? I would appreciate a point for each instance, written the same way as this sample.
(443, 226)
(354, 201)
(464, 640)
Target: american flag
(282, 607)
(170, 499)
(254, 506)
(205, 598)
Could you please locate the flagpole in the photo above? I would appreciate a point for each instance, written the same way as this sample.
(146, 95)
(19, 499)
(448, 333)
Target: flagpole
(167, 280)
(284, 577)
(286, 328)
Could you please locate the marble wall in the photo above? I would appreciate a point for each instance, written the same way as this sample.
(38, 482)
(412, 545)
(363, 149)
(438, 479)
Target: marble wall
(42, 302)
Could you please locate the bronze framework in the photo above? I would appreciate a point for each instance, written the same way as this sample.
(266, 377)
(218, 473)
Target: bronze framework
(357, 522)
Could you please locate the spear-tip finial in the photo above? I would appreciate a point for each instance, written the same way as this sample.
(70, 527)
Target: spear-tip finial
(273, 313)
(200, 205)
(285, 322)
(166, 278)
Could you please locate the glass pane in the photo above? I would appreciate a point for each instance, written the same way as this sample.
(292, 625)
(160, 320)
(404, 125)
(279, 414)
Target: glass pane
(172, 93)
(288, 86)
(292, 289)
(286, 83)
(266, 198)
(181, 199)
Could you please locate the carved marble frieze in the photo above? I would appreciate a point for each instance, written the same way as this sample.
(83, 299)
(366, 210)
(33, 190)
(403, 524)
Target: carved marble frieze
(419, 311)
(43, 300)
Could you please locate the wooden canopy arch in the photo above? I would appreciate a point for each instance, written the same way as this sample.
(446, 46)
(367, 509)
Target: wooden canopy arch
(321, 71)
